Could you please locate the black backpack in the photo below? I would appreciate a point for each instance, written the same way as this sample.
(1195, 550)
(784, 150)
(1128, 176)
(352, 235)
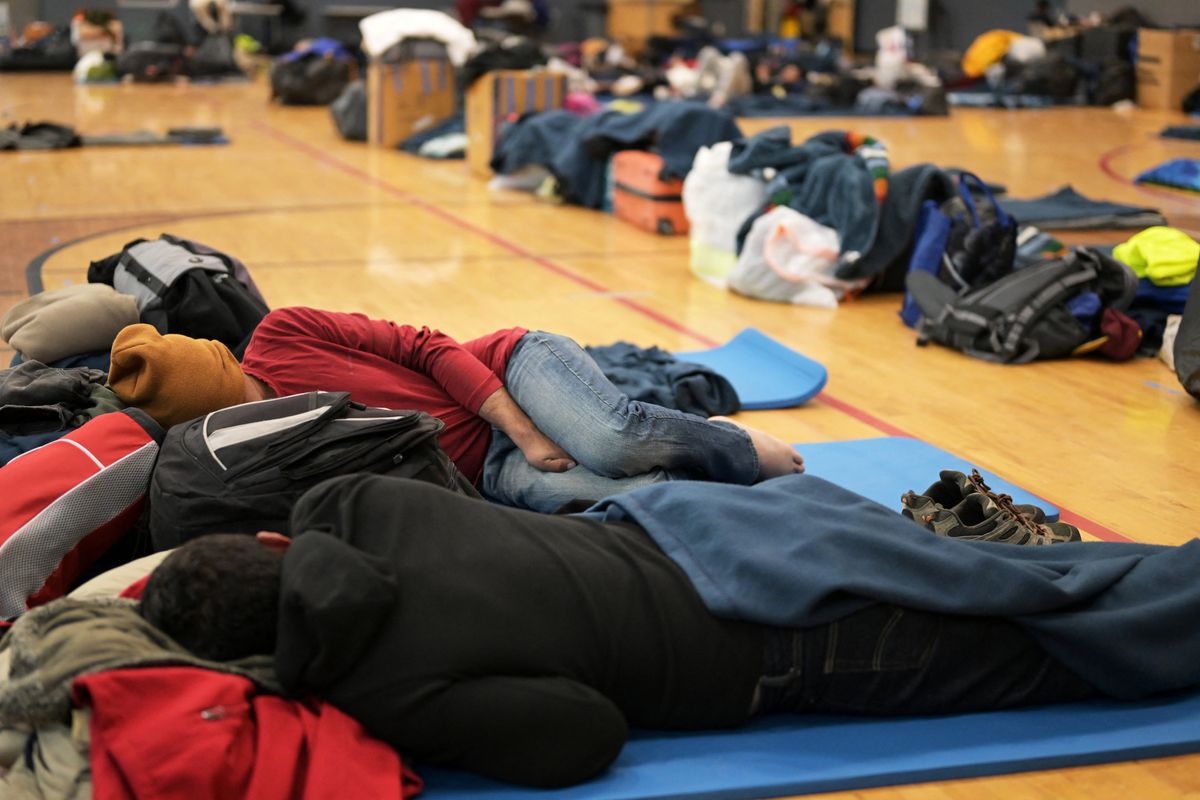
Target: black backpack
(151, 62)
(241, 469)
(213, 58)
(1024, 315)
(350, 112)
(186, 287)
(310, 79)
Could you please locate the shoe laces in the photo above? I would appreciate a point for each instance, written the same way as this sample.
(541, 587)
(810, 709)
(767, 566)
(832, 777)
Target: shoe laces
(1005, 503)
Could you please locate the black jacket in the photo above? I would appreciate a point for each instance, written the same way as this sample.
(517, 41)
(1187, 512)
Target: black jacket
(513, 644)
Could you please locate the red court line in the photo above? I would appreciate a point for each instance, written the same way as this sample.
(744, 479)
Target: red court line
(869, 419)
(863, 416)
(457, 221)
(1083, 523)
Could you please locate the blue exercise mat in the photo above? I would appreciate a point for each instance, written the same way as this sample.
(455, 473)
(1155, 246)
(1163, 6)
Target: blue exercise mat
(785, 755)
(1178, 173)
(883, 469)
(765, 373)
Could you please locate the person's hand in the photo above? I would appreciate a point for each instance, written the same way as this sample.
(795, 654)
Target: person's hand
(500, 410)
(544, 454)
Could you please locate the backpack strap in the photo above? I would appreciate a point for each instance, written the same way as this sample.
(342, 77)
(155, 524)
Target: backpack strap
(968, 184)
(278, 420)
(944, 317)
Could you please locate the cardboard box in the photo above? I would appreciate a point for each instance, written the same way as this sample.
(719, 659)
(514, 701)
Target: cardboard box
(407, 97)
(1168, 66)
(631, 23)
(504, 94)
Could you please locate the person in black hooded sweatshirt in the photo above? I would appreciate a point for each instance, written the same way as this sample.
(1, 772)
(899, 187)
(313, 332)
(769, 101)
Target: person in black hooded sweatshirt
(523, 646)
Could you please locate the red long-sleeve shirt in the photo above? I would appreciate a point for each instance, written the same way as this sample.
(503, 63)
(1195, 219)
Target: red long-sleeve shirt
(387, 365)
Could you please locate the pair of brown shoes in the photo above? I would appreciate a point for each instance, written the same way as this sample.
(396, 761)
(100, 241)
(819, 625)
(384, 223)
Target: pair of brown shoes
(963, 507)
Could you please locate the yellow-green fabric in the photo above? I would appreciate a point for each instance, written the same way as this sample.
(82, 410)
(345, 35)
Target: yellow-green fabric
(1167, 256)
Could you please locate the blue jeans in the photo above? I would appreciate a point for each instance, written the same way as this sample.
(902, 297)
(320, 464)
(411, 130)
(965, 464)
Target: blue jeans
(887, 660)
(618, 443)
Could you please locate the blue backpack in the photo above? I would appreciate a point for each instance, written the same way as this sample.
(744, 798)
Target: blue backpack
(964, 244)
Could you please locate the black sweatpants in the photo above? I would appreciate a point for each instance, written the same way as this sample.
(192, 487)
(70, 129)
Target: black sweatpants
(887, 660)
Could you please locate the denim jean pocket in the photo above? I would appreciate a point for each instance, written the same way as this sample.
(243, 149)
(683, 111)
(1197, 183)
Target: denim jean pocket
(882, 638)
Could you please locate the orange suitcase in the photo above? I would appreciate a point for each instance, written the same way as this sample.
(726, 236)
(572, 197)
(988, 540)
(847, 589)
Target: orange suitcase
(641, 197)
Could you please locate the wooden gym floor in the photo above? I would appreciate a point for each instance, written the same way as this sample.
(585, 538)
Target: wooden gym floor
(338, 225)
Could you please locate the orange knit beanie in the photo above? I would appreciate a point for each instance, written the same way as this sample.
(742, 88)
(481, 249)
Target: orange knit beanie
(173, 378)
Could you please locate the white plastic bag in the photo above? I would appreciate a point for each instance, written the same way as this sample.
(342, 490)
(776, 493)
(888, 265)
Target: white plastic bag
(716, 203)
(790, 258)
(1166, 353)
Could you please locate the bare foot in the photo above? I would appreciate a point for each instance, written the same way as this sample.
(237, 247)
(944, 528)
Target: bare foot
(775, 456)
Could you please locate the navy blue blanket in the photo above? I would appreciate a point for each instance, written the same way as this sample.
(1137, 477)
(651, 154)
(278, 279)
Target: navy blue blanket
(801, 551)
(1067, 208)
(576, 149)
(818, 178)
(652, 375)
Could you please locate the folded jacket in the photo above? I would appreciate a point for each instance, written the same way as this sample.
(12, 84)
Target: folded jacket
(82, 318)
(1167, 256)
(35, 398)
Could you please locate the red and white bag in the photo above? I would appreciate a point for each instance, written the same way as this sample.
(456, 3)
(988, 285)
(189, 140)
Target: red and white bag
(65, 503)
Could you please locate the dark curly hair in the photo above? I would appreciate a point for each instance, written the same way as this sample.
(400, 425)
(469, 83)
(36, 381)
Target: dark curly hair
(218, 596)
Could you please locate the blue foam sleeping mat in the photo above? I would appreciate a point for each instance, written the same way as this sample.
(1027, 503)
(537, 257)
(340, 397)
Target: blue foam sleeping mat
(1178, 173)
(884, 468)
(765, 373)
(785, 755)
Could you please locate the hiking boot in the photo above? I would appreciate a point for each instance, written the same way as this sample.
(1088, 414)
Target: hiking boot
(981, 514)
(981, 518)
(950, 490)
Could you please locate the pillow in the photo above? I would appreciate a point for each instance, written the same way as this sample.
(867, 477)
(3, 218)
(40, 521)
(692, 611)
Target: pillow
(114, 582)
(83, 318)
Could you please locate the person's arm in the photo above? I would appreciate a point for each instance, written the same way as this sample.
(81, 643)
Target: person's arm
(470, 382)
(432, 353)
(538, 731)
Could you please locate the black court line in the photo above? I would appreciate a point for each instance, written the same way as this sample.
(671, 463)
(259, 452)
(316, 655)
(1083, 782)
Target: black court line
(203, 212)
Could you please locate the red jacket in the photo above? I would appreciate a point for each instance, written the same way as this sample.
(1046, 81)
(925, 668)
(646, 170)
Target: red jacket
(383, 364)
(160, 733)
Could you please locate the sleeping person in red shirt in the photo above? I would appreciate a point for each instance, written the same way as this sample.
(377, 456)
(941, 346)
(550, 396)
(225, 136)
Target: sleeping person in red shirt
(529, 416)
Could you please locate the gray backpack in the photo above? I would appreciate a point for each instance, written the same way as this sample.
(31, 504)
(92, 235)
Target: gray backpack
(1025, 315)
(186, 287)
